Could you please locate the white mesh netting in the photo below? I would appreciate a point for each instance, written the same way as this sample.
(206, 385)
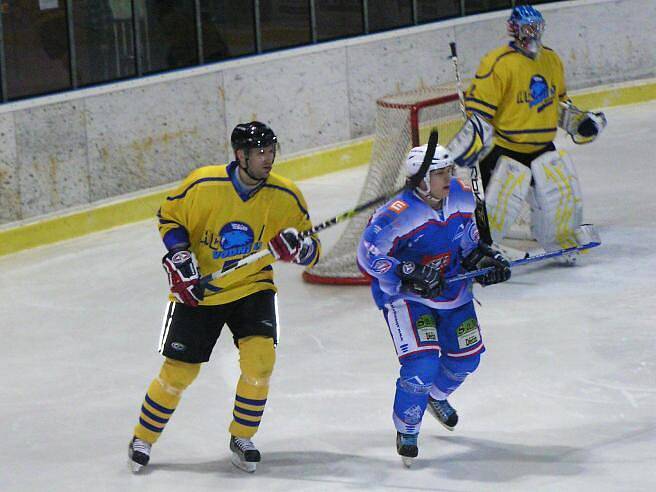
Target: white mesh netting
(402, 120)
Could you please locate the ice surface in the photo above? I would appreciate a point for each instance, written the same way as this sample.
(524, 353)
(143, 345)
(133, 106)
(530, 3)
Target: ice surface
(564, 399)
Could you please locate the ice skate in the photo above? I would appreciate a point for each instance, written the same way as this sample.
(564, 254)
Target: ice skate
(245, 455)
(138, 454)
(443, 412)
(406, 446)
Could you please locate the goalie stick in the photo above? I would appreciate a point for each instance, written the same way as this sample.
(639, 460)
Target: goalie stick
(413, 182)
(475, 174)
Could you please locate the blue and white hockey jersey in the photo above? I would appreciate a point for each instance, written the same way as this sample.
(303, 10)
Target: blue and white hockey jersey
(408, 229)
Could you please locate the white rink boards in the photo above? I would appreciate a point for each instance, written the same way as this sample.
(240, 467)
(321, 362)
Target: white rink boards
(564, 398)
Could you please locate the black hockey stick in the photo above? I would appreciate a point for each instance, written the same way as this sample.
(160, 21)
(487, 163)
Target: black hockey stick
(414, 181)
(477, 185)
(204, 281)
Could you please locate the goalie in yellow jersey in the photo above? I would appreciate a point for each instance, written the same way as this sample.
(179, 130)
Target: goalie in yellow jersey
(218, 215)
(519, 90)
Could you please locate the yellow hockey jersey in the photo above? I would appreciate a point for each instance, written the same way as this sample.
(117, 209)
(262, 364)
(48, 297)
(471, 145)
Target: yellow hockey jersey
(224, 225)
(520, 96)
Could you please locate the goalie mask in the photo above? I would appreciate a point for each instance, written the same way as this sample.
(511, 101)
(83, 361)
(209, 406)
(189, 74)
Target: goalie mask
(413, 162)
(526, 25)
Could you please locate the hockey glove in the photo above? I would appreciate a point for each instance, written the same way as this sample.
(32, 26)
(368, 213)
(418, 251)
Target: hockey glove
(424, 280)
(592, 125)
(180, 266)
(286, 245)
(484, 256)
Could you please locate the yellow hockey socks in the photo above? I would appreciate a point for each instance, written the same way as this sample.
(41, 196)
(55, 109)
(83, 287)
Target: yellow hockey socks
(256, 359)
(162, 398)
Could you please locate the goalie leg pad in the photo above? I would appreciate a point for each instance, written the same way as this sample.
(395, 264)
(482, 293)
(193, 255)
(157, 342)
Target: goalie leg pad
(557, 204)
(505, 195)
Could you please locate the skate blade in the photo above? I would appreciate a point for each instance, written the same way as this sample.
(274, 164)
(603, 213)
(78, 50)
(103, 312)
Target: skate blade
(445, 426)
(407, 462)
(134, 467)
(247, 466)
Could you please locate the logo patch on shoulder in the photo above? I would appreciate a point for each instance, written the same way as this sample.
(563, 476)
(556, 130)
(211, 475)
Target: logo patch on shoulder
(382, 266)
(398, 206)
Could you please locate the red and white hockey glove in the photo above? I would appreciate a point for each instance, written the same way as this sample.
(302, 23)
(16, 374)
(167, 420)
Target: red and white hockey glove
(286, 245)
(180, 267)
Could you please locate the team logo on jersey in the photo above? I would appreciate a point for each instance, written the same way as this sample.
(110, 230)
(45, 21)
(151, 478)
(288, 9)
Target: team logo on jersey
(397, 206)
(440, 261)
(381, 266)
(235, 239)
(473, 233)
(539, 93)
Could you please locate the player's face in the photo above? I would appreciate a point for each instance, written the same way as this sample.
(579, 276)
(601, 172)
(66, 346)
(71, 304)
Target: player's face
(260, 161)
(440, 179)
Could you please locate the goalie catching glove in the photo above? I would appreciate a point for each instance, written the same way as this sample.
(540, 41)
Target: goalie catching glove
(424, 280)
(288, 246)
(182, 271)
(484, 256)
(583, 126)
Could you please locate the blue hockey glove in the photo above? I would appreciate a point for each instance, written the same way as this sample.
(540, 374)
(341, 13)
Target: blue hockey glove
(484, 256)
(423, 280)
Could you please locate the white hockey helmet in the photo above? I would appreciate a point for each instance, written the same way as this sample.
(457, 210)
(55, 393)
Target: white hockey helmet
(441, 159)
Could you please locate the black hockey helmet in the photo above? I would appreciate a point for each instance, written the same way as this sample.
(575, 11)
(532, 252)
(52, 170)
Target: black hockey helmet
(253, 135)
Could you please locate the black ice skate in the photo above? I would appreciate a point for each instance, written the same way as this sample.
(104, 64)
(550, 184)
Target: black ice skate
(138, 454)
(406, 446)
(443, 412)
(245, 455)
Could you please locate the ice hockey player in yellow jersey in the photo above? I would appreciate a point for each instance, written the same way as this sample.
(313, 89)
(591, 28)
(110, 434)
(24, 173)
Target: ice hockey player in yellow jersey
(218, 215)
(520, 90)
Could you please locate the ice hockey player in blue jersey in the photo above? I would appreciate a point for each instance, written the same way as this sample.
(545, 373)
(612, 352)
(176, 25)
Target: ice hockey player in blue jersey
(411, 244)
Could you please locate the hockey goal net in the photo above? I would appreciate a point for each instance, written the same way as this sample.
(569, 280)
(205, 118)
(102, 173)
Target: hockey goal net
(402, 121)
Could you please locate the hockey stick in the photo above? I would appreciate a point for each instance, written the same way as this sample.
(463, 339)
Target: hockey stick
(524, 261)
(475, 173)
(413, 182)
(204, 281)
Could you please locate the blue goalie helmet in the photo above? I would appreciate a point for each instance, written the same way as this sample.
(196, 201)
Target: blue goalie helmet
(526, 25)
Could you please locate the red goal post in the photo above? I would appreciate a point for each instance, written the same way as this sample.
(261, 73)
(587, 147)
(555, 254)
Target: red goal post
(403, 120)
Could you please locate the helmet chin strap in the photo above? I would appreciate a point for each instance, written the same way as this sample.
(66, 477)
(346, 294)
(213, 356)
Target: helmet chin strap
(428, 197)
(245, 169)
